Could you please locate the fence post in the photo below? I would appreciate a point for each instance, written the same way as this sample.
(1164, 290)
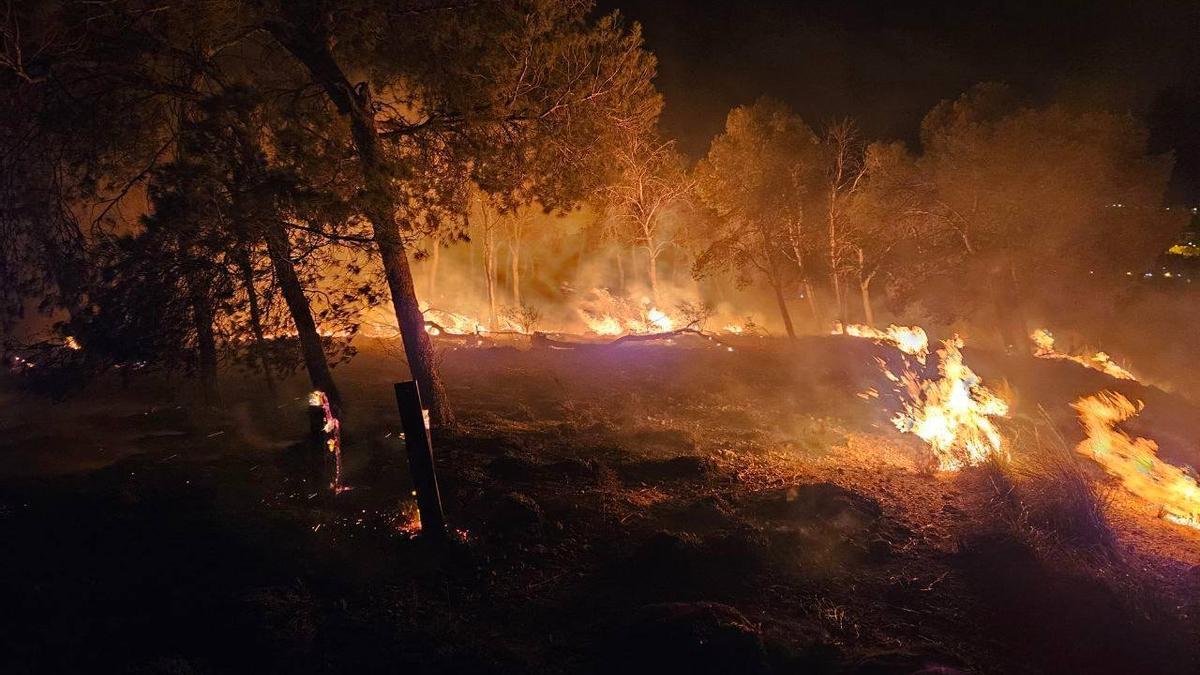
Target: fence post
(420, 459)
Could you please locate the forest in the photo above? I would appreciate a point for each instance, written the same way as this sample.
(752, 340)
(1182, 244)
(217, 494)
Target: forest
(707, 412)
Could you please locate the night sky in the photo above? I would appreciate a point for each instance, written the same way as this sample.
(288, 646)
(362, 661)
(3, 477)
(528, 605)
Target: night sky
(887, 63)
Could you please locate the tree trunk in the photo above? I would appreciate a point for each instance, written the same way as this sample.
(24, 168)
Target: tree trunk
(783, 311)
(418, 349)
(652, 270)
(818, 317)
(620, 270)
(489, 266)
(514, 254)
(260, 341)
(864, 287)
(1010, 311)
(206, 347)
(839, 298)
(302, 40)
(311, 349)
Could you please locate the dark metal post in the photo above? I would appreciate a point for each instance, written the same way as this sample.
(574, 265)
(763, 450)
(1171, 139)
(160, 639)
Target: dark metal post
(420, 459)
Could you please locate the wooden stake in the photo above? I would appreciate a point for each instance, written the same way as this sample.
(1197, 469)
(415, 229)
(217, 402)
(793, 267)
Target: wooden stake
(420, 459)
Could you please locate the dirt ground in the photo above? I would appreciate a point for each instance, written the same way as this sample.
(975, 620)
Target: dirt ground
(648, 508)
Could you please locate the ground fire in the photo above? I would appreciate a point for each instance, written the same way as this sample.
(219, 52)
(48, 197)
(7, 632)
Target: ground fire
(951, 411)
(1134, 462)
(1043, 343)
(599, 336)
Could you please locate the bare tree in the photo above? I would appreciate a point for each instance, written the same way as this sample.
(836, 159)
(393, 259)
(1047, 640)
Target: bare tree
(650, 181)
(882, 219)
(516, 225)
(847, 169)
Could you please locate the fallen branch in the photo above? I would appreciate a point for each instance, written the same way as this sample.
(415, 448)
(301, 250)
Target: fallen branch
(543, 340)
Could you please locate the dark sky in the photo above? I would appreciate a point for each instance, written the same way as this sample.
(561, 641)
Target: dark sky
(886, 63)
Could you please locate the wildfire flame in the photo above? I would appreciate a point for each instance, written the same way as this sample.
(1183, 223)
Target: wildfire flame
(952, 412)
(1043, 343)
(608, 315)
(333, 438)
(438, 321)
(908, 339)
(659, 320)
(1134, 461)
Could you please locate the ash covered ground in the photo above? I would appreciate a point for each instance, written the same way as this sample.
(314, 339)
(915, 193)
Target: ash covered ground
(643, 508)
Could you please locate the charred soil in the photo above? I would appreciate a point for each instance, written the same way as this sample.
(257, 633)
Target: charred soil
(648, 508)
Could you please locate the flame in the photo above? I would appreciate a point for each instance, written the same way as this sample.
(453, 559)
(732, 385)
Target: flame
(952, 412)
(1134, 461)
(908, 339)
(603, 325)
(733, 329)
(72, 344)
(439, 321)
(608, 315)
(659, 320)
(333, 438)
(1043, 343)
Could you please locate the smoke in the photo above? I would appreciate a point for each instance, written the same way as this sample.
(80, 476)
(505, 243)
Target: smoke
(565, 272)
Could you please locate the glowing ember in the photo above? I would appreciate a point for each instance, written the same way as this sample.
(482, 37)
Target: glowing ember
(1043, 343)
(1134, 461)
(333, 438)
(408, 520)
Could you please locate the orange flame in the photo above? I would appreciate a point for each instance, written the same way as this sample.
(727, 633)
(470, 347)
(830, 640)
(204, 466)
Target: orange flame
(1043, 348)
(608, 315)
(333, 438)
(952, 412)
(1134, 461)
(908, 339)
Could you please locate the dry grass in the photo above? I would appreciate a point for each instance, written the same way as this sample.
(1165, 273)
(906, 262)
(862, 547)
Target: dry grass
(1060, 499)
(1047, 495)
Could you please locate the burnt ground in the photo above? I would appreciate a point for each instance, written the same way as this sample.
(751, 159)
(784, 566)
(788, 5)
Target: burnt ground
(650, 508)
